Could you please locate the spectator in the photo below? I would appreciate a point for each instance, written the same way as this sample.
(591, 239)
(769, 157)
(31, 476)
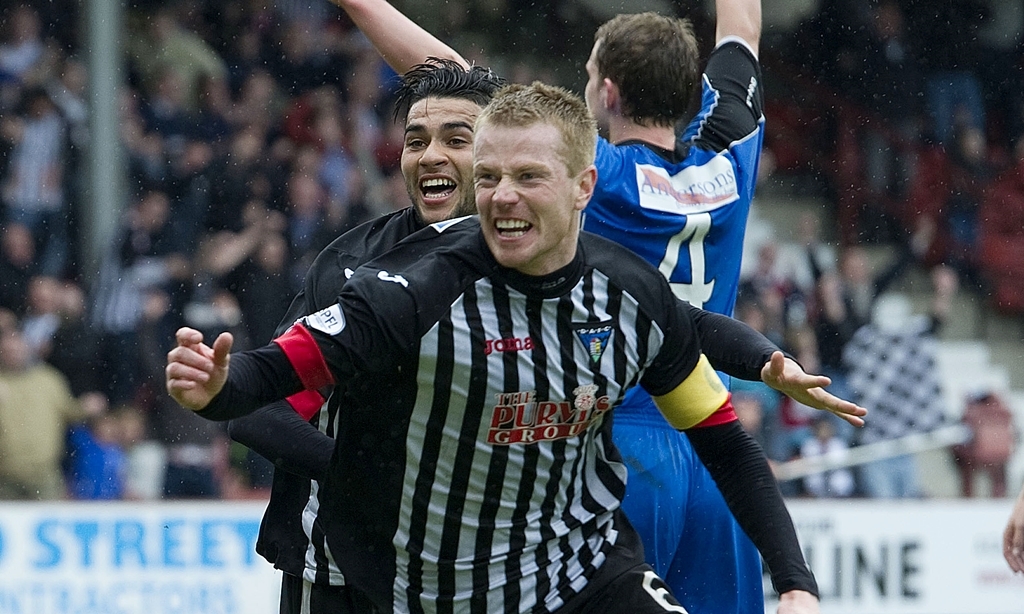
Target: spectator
(164, 112)
(167, 47)
(945, 37)
(769, 284)
(992, 443)
(17, 265)
(892, 372)
(75, 344)
(824, 443)
(148, 259)
(96, 461)
(36, 407)
(310, 228)
(889, 85)
(195, 451)
(33, 189)
(42, 316)
(845, 299)
(22, 44)
(970, 176)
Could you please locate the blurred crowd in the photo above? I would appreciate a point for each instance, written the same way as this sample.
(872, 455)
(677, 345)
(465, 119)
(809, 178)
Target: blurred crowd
(257, 131)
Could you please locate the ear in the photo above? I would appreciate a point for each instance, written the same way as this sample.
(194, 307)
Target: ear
(586, 181)
(610, 97)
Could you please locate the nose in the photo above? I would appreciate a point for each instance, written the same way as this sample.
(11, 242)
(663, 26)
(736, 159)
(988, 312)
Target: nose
(504, 192)
(433, 155)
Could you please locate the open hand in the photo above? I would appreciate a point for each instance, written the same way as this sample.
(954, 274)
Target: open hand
(788, 377)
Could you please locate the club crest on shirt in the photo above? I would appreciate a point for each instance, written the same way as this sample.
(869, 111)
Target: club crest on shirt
(595, 337)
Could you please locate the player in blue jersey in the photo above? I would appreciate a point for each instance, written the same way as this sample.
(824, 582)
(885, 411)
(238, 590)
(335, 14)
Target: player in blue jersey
(682, 205)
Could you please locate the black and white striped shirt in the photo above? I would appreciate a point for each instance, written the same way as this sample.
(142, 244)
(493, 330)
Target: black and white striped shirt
(475, 470)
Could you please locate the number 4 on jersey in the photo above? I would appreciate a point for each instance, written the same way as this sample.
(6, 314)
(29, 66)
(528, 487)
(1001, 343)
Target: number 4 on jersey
(698, 291)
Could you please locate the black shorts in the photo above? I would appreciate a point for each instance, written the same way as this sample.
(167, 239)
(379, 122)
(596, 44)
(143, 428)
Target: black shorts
(636, 591)
(624, 584)
(300, 597)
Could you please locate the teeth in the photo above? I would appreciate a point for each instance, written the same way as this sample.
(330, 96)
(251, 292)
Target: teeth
(438, 183)
(512, 224)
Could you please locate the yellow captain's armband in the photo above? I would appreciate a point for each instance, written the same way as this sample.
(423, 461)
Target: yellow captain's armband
(696, 398)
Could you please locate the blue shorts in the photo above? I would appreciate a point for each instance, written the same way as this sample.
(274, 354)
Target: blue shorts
(690, 537)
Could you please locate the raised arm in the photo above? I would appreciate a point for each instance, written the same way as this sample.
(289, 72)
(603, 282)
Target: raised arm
(741, 18)
(400, 41)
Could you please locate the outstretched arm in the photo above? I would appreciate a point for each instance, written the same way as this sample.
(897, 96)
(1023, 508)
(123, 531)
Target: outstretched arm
(400, 41)
(741, 18)
(1013, 536)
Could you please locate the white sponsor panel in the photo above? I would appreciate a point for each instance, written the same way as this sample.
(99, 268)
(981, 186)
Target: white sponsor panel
(134, 558)
(914, 557)
(932, 557)
(695, 189)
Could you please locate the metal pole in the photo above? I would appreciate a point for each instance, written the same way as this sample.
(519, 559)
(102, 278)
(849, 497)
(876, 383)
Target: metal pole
(106, 167)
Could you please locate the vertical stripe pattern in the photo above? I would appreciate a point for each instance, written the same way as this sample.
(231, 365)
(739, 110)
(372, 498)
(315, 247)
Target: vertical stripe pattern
(509, 485)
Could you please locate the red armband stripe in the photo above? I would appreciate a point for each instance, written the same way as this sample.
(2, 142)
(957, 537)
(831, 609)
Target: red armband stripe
(306, 403)
(305, 357)
(722, 415)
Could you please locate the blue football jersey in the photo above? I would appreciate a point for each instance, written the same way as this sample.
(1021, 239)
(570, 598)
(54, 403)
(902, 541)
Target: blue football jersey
(686, 211)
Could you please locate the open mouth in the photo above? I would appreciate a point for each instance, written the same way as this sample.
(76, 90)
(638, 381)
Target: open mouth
(437, 189)
(511, 229)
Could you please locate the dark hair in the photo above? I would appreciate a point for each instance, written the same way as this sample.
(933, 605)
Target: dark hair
(442, 78)
(655, 62)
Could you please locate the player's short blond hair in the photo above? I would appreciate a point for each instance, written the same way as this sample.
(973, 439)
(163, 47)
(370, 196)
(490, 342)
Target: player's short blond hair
(520, 105)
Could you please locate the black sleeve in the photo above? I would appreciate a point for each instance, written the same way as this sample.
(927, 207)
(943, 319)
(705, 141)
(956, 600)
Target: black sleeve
(741, 471)
(280, 435)
(256, 378)
(730, 345)
(735, 75)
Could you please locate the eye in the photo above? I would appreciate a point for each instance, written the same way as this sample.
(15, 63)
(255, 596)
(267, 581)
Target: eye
(486, 179)
(458, 141)
(415, 144)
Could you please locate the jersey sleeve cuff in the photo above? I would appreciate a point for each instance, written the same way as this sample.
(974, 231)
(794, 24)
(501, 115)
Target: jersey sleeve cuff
(732, 38)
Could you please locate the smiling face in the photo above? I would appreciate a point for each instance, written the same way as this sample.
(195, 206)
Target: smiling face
(529, 205)
(437, 157)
